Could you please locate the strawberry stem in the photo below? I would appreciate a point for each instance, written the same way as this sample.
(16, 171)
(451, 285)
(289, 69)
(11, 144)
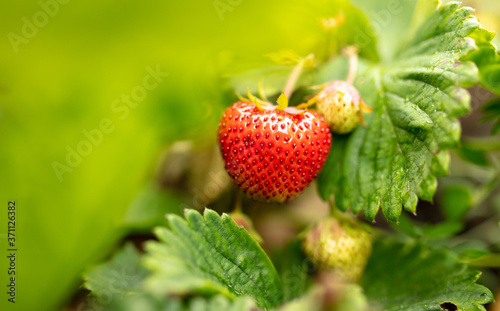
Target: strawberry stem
(294, 76)
(261, 105)
(306, 62)
(237, 203)
(352, 52)
(333, 208)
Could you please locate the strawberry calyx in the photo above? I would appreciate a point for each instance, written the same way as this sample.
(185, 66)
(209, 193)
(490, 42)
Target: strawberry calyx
(285, 57)
(263, 105)
(309, 103)
(259, 103)
(282, 102)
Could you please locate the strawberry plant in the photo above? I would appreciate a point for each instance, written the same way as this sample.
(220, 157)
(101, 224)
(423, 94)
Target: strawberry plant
(365, 134)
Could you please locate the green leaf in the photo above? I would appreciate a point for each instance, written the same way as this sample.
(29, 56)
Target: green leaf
(293, 270)
(118, 285)
(496, 128)
(330, 179)
(424, 279)
(442, 230)
(308, 302)
(492, 113)
(150, 206)
(416, 99)
(119, 277)
(486, 260)
(473, 253)
(221, 303)
(414, 229)
(330, 295)
(158, 303)
(149, 302)
(395, 22)
(211, 255)
(475, 156)
(487, 59)
(456, 201)
(491, 110)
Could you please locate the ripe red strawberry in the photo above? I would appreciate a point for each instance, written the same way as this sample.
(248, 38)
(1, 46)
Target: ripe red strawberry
(271, 154)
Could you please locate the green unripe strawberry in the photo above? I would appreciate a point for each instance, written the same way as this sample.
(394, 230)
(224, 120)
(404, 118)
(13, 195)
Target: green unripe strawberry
(340, 245)
(340, 104)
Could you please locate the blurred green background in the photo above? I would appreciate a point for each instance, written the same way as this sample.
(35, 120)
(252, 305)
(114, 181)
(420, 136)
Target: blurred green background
(63, 75)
